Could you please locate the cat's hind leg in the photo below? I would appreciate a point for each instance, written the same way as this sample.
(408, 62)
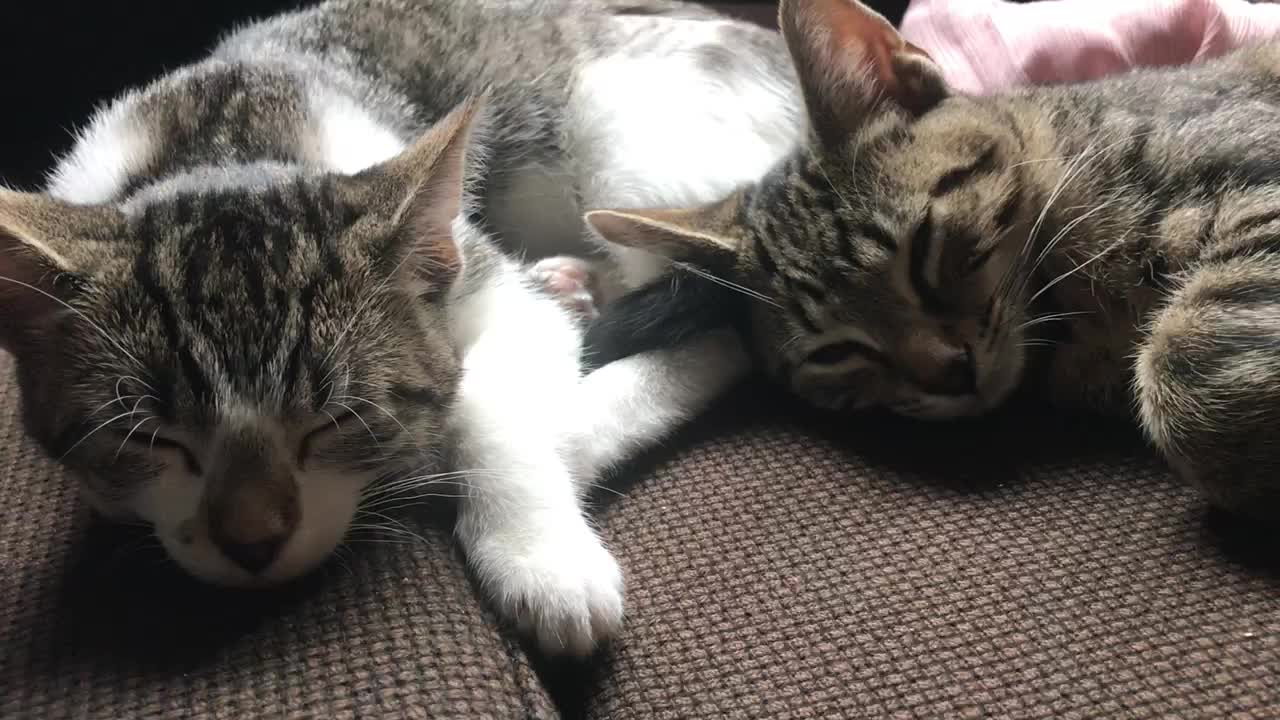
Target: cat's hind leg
(1208, 383)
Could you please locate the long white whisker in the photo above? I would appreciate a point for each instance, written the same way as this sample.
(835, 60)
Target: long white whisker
(113, 401)
(138, 380)
(1051, 318)
(132, 430)
(79, 314)
(368, 429)
(601, 486)
(1077, 165)
(93, 431)
(399, 488)
(1075, 269)
(409, 487)
(397, 523)
(1066, 179)
(393, 504)
(728, 284)
(378, 407)
(1066, 230)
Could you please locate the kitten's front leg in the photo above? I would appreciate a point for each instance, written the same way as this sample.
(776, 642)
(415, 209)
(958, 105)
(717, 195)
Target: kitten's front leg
(629, 405)
(632, 404)
(522, 524)
(1208, 383)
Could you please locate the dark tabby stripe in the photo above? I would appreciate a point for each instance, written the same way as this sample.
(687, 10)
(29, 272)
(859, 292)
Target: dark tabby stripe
(149, 278)
(1254, 222)
(877, 234)
(953, 179)
(921, 241)
(765, 258)
(419, 395)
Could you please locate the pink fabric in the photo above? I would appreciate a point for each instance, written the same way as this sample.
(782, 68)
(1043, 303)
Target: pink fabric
(987, 45)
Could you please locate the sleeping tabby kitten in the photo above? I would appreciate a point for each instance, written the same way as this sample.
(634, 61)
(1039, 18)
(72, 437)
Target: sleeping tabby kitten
(256, 297)
(917, 252)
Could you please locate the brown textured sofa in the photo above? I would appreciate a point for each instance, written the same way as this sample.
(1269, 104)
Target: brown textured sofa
(780, 564)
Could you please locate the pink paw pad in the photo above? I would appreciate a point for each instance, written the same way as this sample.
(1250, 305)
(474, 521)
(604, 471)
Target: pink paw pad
(571, 281)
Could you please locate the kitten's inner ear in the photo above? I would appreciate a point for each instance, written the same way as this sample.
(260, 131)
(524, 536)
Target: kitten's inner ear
(707, 236)
(428, 183)
(41, 247)
(852, 63)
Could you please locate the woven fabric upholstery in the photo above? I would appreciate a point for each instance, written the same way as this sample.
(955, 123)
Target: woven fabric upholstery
(1029, 568)
(96, 625)
(779, 565)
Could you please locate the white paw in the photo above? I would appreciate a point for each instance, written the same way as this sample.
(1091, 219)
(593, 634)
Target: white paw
(564, 590)
(571, 281)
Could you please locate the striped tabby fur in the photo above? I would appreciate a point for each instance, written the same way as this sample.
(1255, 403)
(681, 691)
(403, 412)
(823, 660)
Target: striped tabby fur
(1116, 244)
(265, 297)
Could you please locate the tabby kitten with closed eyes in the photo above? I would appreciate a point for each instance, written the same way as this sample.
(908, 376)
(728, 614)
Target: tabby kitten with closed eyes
(276, 288)
(1116, 242)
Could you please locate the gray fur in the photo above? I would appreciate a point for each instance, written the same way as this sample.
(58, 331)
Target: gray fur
(230, 270)
(1112, 243)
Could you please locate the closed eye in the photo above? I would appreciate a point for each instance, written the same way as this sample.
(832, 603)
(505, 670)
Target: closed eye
(978, 259)
(164, 444)
(332, 424)
(839, 352)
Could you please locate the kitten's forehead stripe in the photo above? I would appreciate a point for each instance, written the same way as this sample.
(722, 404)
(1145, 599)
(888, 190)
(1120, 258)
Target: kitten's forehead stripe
(148, 276)
(950, 181)
(763, 255)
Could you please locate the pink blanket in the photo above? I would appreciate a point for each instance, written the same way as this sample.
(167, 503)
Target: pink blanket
(985, 45)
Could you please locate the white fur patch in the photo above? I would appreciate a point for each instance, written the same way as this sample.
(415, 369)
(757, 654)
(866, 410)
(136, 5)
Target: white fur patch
(518, 404)
(114, 146)
(661, 130)
(632, 404)
(346, 138)
(173, 504)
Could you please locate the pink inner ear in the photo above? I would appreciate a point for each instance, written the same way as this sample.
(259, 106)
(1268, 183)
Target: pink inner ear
(916, 50)
(867, 37)
(436, 257)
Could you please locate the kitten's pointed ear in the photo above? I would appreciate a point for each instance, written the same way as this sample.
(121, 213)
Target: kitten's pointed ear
(852, 62)
(40, 249)
(705, 236)
(430, 178)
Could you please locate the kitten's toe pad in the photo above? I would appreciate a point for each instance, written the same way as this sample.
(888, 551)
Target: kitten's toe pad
(565, 591)
(571, 281)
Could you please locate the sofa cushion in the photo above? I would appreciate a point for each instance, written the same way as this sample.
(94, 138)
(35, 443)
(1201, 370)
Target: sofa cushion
(96, 625)
(782, 565)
